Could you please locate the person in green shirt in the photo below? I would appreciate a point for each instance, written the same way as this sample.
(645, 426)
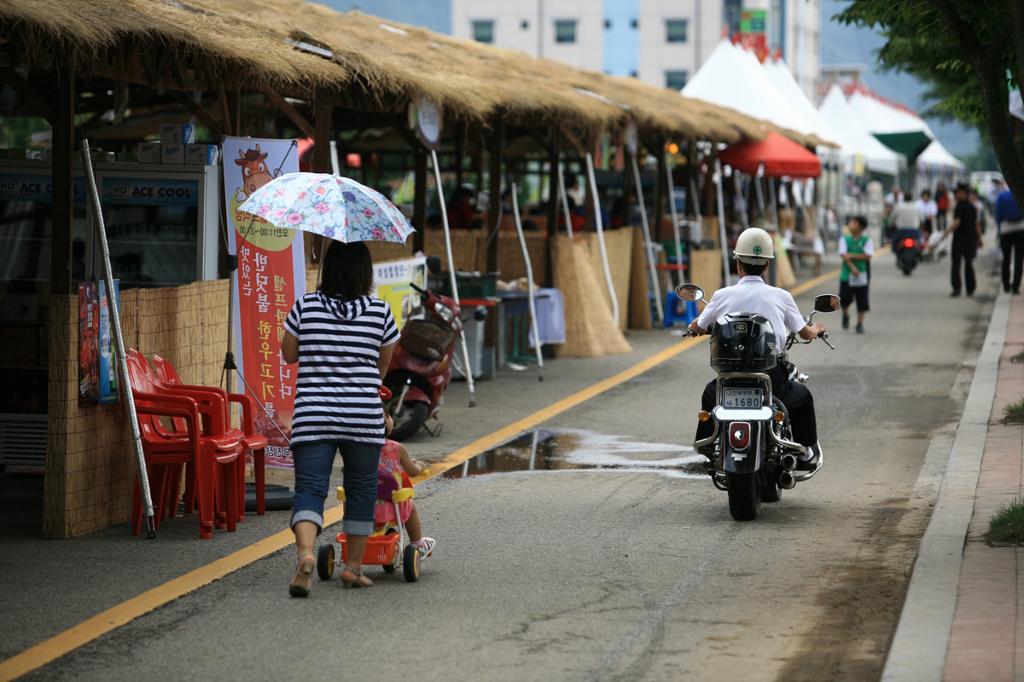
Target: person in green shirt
(856, 250)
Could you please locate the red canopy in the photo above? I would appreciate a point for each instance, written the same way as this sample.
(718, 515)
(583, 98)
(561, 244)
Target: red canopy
(779, 155)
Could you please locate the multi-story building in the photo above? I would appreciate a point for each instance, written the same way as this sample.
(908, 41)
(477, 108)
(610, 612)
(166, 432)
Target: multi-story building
(661, 42)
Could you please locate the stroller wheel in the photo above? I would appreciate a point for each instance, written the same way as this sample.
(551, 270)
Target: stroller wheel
(325, 561)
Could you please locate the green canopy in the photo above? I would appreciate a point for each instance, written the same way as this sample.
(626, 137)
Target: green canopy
(910, 143)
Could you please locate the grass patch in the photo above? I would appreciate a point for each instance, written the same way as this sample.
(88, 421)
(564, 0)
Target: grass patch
(1008, 524)
(1014, 412)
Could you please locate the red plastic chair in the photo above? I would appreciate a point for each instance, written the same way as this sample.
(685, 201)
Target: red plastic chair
(165, 452)
(251, 439)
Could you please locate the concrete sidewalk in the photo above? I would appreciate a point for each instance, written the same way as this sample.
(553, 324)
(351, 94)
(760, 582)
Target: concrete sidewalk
(963, 619)
(986, 639)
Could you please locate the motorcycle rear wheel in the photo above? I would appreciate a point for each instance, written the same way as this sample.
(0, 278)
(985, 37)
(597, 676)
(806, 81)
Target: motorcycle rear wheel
(409, 419)
(744, 496)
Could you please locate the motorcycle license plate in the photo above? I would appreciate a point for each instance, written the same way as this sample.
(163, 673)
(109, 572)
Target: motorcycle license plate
(741, 398)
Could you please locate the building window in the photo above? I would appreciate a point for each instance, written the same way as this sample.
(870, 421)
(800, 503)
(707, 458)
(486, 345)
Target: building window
(675, 30)
(633, 74)
(635, 23)
(483, 31)
(731, 15)
(675, 80)
(607, 23)
(565, 31)
(525, 25)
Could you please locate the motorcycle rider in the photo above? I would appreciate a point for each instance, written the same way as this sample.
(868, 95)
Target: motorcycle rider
(751, 294)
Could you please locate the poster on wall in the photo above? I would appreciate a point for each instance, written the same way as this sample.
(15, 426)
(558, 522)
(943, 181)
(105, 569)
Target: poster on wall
(88, 344)
(108, 379)
(271, 275)
(393, 280)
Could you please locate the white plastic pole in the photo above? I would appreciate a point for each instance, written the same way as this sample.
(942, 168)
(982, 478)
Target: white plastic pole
(675, 219)
(760, 193)
(122, 354)
(723, 243)
(529, 281)
(563, 196)
(652, 268)
(599, 226)
(451, 274)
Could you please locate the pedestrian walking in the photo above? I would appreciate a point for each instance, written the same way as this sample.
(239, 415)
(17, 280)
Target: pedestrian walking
(941, 206)
(928, 211)
(1010, 224)
(856, 249)
(966, 241)
(343, 340)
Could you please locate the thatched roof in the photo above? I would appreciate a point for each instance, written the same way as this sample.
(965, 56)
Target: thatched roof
(297, 45)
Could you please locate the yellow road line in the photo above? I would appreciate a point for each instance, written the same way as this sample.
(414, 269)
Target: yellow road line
(123, 613)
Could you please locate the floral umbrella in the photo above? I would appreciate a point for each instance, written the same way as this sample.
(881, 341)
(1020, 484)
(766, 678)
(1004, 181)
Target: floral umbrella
(334, 207)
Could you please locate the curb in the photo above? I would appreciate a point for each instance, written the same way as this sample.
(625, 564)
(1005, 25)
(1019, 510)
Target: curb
(919, 647)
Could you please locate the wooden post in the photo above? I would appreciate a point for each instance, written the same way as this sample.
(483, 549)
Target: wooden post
(460, 152)
(496, 144)
(63, 183)
(659, 183)
(323, 105)
(419, 201)
(626, 213)
(554, 152)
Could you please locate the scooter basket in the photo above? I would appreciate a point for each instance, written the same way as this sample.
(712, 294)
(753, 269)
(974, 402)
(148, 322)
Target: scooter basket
(426, 339)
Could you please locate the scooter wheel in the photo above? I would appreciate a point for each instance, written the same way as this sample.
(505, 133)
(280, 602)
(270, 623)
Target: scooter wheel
(409, 420)
(325, 561)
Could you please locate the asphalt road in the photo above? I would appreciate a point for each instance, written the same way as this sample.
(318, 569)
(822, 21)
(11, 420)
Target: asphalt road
(633, 570)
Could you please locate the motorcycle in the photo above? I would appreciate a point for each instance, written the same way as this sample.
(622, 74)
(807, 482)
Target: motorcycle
(421, 366)
(753, 457)
(907, 244)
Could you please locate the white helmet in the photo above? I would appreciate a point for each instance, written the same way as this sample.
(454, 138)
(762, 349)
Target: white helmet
(754, 247)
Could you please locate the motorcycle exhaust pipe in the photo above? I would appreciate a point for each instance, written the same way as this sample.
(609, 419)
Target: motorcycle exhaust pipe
(788, 462)
(786, 480)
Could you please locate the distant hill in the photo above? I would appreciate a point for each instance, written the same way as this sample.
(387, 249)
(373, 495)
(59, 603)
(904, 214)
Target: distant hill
(841, 44)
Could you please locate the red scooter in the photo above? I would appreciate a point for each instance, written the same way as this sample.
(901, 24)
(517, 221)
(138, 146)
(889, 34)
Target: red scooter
(421, 367)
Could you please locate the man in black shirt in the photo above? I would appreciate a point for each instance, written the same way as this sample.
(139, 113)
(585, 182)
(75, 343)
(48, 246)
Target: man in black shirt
(966, 240)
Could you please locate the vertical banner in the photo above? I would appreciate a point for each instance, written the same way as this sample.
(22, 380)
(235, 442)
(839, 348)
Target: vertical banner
(271, 276)
(393, 279)
(108, 357)
(88, 344)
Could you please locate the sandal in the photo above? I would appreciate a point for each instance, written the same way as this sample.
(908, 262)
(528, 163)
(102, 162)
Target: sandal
(357, 581)
(302, 582)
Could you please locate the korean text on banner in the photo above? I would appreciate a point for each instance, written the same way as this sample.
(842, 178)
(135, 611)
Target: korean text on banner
(271, 276)
(393, 280)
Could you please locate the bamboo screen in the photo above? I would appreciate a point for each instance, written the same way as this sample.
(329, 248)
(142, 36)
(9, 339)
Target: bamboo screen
(90, 464)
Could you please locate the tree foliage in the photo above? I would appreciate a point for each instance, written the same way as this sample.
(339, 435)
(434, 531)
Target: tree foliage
(965, 51)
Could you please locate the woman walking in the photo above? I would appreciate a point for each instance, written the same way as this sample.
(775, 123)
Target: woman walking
(342, 339)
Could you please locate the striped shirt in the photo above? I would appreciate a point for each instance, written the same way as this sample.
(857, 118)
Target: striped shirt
(336, 389)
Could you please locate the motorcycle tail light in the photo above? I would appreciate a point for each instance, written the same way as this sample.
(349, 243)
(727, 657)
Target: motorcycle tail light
(703, 415)
(780, 416)
(739, 435)
(908, 242)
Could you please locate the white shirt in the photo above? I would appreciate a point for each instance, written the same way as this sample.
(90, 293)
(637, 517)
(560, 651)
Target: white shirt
(869, 246)
(753, 295)
(906, 216)
(929, 209)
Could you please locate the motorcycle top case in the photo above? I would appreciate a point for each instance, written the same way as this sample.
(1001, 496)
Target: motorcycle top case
(742, 342)
(426, 339)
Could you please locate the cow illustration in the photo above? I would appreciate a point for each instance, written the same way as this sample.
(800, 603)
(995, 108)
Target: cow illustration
(254, 172)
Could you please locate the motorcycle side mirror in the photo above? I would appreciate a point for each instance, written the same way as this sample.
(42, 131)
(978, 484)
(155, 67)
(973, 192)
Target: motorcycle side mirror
(480, 314)
(434, 264)
(826, 303)
(690, 292)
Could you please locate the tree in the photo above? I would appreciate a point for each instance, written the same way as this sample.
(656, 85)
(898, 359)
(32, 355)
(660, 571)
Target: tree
(967, 51)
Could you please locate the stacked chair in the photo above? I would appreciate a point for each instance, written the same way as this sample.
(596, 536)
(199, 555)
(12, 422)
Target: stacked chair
(197, 440)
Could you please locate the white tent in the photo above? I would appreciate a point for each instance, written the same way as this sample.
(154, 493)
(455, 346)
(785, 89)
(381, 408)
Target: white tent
(778, 73)
(896, 127)
(729, 79)
(877, 157)
(938, 156)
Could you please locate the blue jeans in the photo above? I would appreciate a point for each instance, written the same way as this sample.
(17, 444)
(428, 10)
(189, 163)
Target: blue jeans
(313, 462)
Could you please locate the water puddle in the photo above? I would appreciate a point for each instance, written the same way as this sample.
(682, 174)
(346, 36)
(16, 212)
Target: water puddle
(553, 450)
